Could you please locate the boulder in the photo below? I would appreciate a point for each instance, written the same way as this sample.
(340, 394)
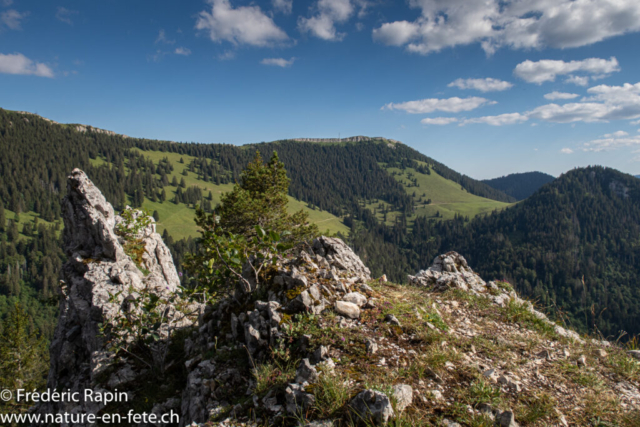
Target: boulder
(403, 395)
(347, 309)
(356, 298)
(372, 406)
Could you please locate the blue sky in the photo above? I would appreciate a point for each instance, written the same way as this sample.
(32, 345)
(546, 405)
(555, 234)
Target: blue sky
(486, 87)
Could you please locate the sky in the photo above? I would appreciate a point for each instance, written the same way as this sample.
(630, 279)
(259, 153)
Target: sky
(487, 87)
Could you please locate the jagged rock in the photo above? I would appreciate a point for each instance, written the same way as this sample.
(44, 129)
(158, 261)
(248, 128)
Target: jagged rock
(320, 354)
(449, 271)
(355, 298)
(371, 347)
(506, 419)
(302, 302)
(341, 256)
(347, 309)
(306, 373)
(297, 399)
(372, 405)
(391, 319)
(97, 268)
(403, 395)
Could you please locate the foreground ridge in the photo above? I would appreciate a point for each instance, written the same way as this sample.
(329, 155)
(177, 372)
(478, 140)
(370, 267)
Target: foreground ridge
(320, 343)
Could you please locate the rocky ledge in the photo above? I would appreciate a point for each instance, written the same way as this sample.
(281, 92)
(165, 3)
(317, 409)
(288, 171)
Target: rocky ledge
(321, 343)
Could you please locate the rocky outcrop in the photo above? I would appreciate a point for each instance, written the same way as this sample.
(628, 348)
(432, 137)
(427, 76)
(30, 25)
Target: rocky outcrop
(96, 280)
(311, 283)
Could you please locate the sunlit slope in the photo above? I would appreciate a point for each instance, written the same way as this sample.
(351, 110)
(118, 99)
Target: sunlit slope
(179, 219)
(447, 198)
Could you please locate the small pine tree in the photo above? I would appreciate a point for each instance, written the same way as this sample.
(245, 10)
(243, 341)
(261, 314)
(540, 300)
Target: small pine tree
(183, 184)
(156, 216)
(174, 181)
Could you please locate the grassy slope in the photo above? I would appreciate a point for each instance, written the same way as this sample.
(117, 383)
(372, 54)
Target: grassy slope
(178, 219)
(24, 218)
(447, 197)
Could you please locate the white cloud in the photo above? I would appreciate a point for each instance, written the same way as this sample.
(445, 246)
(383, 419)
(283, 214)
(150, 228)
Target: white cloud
(566, 151)
(611, 142)
(618, 134)
(182, 51)
(449, 105)
(162, 38)
(7, 3)
(606, 103)
(242, 25)
(500, 120)
(284, 6)
(330, 12)
(64, 15)
(578, 80)
(440, 121)
(12, 19)
(17, 63)
(511, 23)
(278, 62)
(483, 85)
(546, 70)
(637, 122)
(560, 95)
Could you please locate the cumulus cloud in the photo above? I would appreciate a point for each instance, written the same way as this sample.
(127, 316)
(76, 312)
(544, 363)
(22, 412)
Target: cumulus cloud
(284, 6)
(322, 24)
(182, 51)
(483, 85)
(12, 19)
(17, 63)
(499, 120)
(553, 96)
(242, 25)
(278, 62)
(637, 122)
(440, 121)
(618, 134)
(578, 80)
(611, 142)
(566, 151)
(64, 15)
(546, 70)
(510, 23)
(449, 105)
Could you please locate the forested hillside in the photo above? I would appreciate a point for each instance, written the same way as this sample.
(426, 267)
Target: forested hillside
(574, 246)
(520, 185)
(333, 182)
(571, 245)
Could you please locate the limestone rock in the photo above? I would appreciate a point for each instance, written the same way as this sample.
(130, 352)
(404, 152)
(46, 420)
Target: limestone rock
(356, 298)
(347, 309)
(341, 256)
(97, 268)
(372, 405)
(306, 373)
(403, 395)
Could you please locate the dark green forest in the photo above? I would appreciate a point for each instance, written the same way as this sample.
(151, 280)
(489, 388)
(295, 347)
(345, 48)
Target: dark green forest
(571, 246)
(520, 185)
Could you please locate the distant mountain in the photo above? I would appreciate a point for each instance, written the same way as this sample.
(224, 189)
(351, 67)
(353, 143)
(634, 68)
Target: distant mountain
(520, 185)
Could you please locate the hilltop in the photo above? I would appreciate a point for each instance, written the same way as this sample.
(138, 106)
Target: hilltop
(520, 185)
(319, 341)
